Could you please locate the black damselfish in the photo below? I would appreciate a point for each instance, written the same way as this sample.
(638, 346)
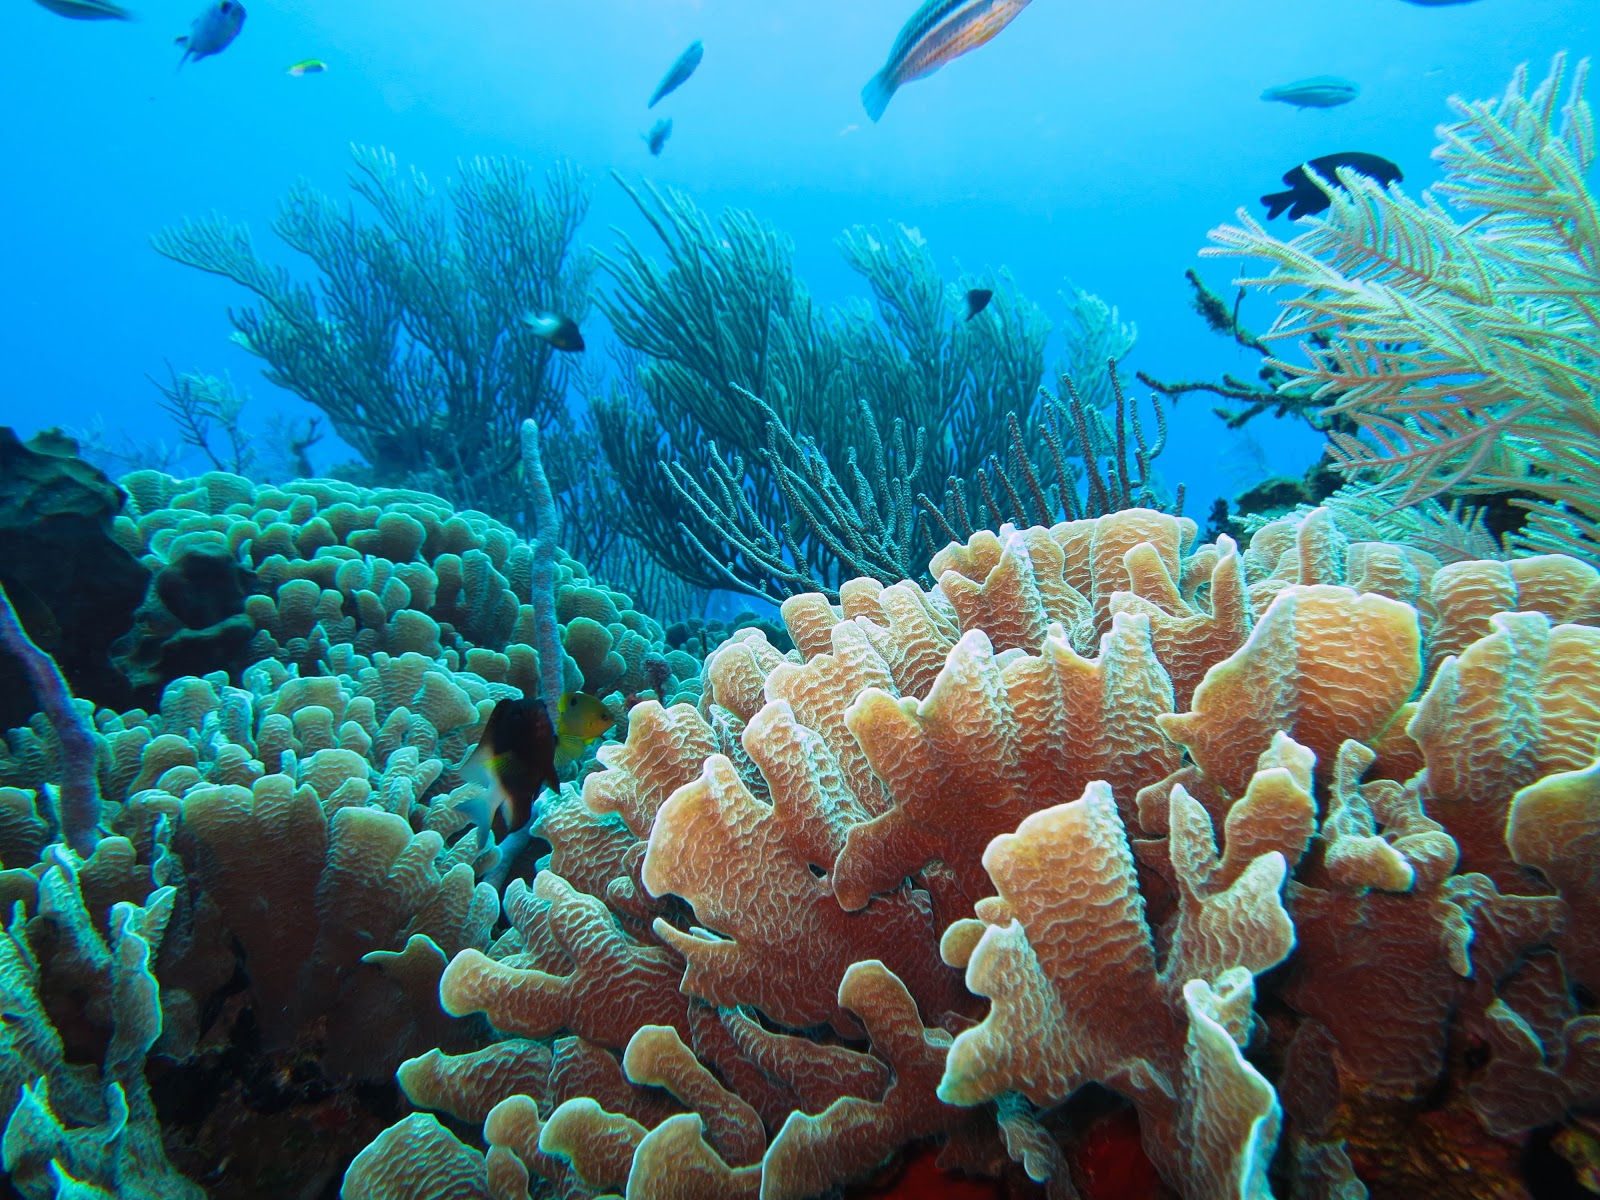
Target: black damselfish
(978, 300)
(1304, 197)
(521, 753)
(515, 761)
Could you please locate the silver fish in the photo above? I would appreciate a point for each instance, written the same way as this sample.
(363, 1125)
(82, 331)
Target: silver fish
(1319, 91)
(87, 10)
(678, 73)
(936, 33)
(658, 135)
(212, 31)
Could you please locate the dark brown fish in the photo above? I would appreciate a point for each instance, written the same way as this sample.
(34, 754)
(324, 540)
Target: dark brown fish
(978, 300)
(1304, 197)
(560, 331)
(515, 761)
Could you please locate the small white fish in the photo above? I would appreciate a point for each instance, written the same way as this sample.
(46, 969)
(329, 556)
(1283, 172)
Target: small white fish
(1319, 91)
(936, 33)
(212, 31)
(87, 10)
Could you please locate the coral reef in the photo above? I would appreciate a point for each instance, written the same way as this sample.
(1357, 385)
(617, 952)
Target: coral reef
(383, 627)
(1263, 868)
(330, 563)
(1153, 863)
(1104, 805)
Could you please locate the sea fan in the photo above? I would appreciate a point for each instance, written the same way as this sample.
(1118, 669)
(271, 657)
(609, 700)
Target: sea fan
(1462, 341)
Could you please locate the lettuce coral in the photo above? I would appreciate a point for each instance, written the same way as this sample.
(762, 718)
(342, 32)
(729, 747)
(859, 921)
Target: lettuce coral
(1263, 913)
(385, 629)
(1104, 805)
(397, 571)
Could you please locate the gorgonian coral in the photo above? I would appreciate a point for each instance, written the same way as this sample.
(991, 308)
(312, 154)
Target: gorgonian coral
(1464, 347)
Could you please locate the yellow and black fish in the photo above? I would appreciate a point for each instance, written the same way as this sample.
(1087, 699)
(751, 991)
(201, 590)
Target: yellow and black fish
(515, 761)
(521, 753)
(581, 719)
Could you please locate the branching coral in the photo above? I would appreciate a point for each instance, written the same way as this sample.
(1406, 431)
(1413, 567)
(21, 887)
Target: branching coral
(1277, 390)
(1464, 349)
(779, 448)
(412, 343)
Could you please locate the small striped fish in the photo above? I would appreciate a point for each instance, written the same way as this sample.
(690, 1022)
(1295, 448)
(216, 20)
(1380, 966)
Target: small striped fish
(939, 31)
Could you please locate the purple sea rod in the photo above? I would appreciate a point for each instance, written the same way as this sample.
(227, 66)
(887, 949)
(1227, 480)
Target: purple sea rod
(79, 801)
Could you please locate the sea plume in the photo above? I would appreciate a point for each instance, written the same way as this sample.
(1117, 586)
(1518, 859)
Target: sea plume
(1460, 332)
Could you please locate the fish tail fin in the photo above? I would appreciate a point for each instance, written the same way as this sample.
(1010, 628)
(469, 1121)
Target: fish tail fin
(1276, 202)
(569, 749)
(479, 809)
(875, 96)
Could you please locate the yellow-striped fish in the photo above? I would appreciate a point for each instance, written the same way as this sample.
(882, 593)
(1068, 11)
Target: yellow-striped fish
(311, 66)
(939, 31)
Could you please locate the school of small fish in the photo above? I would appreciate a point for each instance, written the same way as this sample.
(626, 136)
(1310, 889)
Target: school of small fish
(937, 33)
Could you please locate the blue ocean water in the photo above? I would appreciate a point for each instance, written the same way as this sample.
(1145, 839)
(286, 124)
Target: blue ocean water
(1092, 142)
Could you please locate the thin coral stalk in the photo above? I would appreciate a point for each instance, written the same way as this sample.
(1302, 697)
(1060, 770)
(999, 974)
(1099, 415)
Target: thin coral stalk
(547, 534)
